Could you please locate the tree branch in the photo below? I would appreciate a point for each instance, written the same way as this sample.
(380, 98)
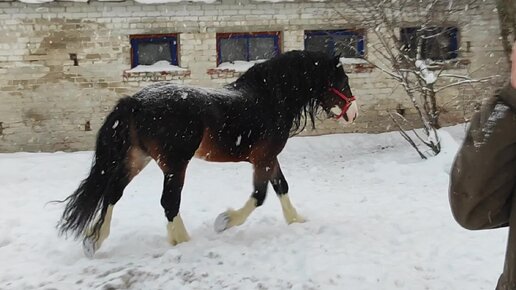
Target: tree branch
(407, 137)
(466, 81)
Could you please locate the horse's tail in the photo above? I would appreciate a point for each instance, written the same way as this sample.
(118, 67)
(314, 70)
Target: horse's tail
(108, 168)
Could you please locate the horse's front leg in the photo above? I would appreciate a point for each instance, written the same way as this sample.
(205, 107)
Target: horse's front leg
(231, 218)
(280, 185)
(171, 200)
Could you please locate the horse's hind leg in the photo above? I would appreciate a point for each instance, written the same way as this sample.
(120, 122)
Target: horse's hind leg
(280, 185)
(231, 218)
(135, 161)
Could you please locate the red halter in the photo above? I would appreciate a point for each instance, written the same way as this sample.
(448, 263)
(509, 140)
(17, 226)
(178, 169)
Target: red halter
(347, 101)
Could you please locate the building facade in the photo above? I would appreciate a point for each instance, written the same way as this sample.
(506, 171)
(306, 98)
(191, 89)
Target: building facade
(64, 64)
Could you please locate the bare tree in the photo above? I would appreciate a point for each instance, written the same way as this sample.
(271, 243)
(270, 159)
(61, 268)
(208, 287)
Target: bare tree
(417, 57)
(507, 13)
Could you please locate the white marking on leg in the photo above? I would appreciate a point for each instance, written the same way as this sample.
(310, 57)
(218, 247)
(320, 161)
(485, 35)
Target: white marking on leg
(106, 226)
(90, 246)
(238, 217)
(289, 212)
(231, 218)
(176, 231)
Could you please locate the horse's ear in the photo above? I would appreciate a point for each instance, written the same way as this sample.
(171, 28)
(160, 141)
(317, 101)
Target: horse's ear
(336, 59)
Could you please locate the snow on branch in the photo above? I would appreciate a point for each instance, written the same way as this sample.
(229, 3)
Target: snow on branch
(426, 74)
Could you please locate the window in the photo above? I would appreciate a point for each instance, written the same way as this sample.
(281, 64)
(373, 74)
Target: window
(347, 43)
(149, 49)
(437, 43)
(247, 46)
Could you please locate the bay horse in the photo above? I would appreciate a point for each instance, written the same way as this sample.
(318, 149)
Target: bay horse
(247, 120)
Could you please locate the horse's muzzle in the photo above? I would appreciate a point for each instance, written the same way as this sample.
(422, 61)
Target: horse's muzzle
(347, 117)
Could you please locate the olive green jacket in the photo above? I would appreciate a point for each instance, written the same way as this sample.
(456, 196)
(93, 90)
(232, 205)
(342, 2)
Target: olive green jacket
(483, 176)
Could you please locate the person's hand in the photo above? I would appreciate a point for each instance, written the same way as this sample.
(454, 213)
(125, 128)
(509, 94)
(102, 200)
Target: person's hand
(513, 69)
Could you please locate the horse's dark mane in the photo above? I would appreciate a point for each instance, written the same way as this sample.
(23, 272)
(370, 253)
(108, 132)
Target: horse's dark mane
(294, 81)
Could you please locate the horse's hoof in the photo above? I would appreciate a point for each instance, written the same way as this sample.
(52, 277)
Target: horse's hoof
(177, 241)
(88, 246)
(296, 219)
(221, 222)
(177, 237)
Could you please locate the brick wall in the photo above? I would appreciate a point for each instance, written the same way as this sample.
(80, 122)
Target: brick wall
(48, 104)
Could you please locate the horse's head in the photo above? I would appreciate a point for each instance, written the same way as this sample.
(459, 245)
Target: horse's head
(339, 101)
(300, 83)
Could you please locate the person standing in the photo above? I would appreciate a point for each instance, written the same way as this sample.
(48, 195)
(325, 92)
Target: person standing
(483, 176)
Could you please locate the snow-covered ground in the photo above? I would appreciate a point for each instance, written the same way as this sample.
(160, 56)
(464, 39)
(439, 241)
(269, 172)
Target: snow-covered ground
(378, 219)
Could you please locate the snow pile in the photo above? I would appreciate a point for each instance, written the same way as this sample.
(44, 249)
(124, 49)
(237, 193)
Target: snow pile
(239, 65)
(159, 66)
(378, 218)
(449, 148)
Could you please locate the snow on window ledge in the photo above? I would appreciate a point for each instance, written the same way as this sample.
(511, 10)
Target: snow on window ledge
(160, 66)
(47, 1)
(232, 69)
(356, 65)
(286, 1)
(239, 65)
(160, 71)
(137, 1)
(346, 60)
(173, 1)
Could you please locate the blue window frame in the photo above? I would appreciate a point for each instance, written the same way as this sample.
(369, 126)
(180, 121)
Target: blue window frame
(147, 49)
(247, 46)
(437, 43)
(347, 43)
